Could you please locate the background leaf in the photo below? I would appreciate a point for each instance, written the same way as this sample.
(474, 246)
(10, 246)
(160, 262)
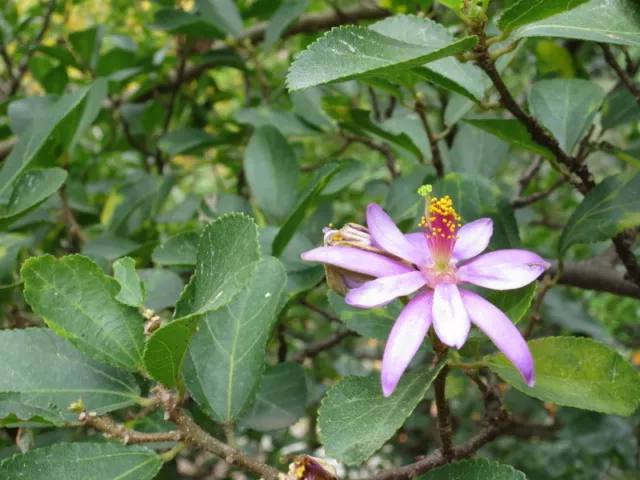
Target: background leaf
(524, 12)
(479, 468)
(132, 289)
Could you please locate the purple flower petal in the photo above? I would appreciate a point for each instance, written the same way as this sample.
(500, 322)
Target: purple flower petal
(404, 340)
(473, 239)
(357, 260)
(450, 318)
(497, 326)
(420, 242)
(503, 270)
(383, 290)
(385, 233)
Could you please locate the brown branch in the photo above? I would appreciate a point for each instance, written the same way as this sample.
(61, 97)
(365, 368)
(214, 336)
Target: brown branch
(436, 157)
(527, 175)
(523, 202)
(384, 149)
(24, 66)
(314, 349)
(69, 218)
(444, 415)
(592, 276)
(192, 434)
(622, 74)
(307, 23)
(324, 313)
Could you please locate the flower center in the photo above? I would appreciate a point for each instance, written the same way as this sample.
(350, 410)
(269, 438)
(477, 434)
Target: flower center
(441, 224)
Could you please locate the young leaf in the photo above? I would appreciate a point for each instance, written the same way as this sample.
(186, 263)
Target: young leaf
(223, 14)
(576, 372)
(524, 12)
(45, 374)
(227, 255)
(31, 190)
(478, 468)
(611, 207)
(355, 419)
(80, 461)
(162, 287)
(350, 52)
(226, 356)
(132, 289)
(286, 14)
(608, 21)
(281, 400)
(566, 107)
(78, 301)
(272, 172)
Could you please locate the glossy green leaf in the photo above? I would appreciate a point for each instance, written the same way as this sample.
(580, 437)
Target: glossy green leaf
(287, 13)
(355, 419)
(524, 12)
(476, 152)
(463, 78)
(162, 287)
(281, 399)
(272, 172)
(608, 21)
(304, 207)
(131, 288)
(31, 190)
(223, 14)
(477, 468)
(44, 374)
(613, 206)
(24, 111)
(576, 372)
(566, 107)
(82, 461)
(227, 254)
(227, 355)
(179, 250)
(165, 350)
(86, 44)
(349, 52)
(78, 301)
(514, 303)
(371, 322)
(512, 131)
(620, 108)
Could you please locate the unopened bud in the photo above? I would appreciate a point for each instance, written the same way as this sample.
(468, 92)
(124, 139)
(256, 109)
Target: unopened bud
(305, 467)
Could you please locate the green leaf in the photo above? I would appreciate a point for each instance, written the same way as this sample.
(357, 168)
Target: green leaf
(512, 131)
(477, 468)
(281, 399)
(46, 137)
(355, 419)
(179, 250)
(77, 301)
(24, 111)
(476, 152)
(613, 206)
(370, 323)
(287, 13)
(566, 107)
(514, 303)
(132, 289)
(86, 44)
(31, 190)
(620, 108)
(186, 140)
(81, 461)
(223, 14)
(304, 207)
(227, 254)
(301, 275)
(45, 374)
(272, 172)
(350, 52)
(576, 372)
(463, 78)
(178, 21)
(165, 350)
(162, 287)
(608, 21)
(109, 247)
(227, 354)
(524, 12)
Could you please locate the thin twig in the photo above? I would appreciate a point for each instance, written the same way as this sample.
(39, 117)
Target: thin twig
(384, 149)
(374, 103)
(622, 74)
(421, 110)
(527, 175)
(324, 313)
(444, 415)
(314, 349)
(523, 202)
(69, 218)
